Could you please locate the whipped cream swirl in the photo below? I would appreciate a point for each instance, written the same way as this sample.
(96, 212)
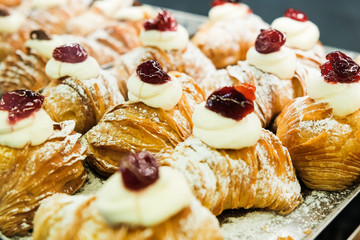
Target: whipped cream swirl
(109, 7)
(229, 11)
(343, 98)
(12, 22)
(166, 40)
(148, 207)
(45, 48)
(225, 133)
(134, 13)
(300, 35)
(165, 95)
(35, 129)
(46, 4)
(281, 63)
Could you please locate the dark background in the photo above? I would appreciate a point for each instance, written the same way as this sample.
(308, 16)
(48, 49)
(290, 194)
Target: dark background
(338, 21)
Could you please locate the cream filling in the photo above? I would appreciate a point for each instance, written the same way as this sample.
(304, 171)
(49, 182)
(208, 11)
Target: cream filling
(136, 13)
(343, 98)
(35, 129)
(46, 4)
(83, 70)
(229, 11)
(148, 207)
(109, 7)
(281, 63)
(167, 40)
(45, 48)
(301, 35)
(225, 133)
(164, 96)
(11, 23)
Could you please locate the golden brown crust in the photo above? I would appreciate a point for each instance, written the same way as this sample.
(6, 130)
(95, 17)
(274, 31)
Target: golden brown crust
(54, 220)
(325, 149)
(261, 176)
(10, 3)
(84, 101)
(135, 126)
(29, 175)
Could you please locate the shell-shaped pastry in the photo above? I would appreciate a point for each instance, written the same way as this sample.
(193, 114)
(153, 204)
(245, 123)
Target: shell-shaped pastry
(325, 149)
(29, 175)
(134, 126)
(261, 176)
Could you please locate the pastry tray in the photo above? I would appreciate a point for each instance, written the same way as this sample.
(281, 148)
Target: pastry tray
(316, 211)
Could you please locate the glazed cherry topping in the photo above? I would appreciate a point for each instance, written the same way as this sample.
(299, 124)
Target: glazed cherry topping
(39, 35)
(296, 15)
(70, 53)
(232, 102)
(4, 12)
(20, 104)
(139, 170)
(152, 72)
(164, 21)
(340, 69)
(221, 2)
(269, 41)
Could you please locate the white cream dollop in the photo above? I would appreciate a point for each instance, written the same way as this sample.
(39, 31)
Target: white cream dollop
(343, 98)
(281, 63)
(45, 48)
(134, 13)
(12, 22)
(300, 35)
(229, 11)
(46, 4)
(166, 40)
(164, 96)
(225, 133)
(84, 70)
(148, 207)
(109, 7)
(35, 129)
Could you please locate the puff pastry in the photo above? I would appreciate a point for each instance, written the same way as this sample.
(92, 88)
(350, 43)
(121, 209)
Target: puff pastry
(134, 126)
(31, 174)
(261, 176)
(324, 148)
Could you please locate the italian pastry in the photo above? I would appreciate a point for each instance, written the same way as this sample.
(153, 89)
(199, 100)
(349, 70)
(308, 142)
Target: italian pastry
(231, 161)
(10, 3)
(167, 42)
(230, 32)
(303, 36)
(157, 115)
(321, 130)
(141, 201)
(38, 158)
(80, 90)
(272, 68)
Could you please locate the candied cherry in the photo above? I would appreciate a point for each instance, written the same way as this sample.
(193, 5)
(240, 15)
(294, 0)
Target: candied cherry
(340, 69)
(221, 2)
(232, 102)
(70, 53)
(39, 35)
(152, 72)
(20, 104)
(269, 41)
(164, 21)
(139, 170)
(296, 15)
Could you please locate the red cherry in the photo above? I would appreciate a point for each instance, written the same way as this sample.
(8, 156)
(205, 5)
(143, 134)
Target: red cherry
(164, 21)
(152, 72)
(232, 102)
(221, 2)
(296, 15)
(139, 170)
(340, 69)
(269, 41)
(70, 53)
(20, 104)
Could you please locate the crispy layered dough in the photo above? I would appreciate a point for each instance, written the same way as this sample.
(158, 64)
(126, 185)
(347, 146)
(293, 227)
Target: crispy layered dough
(272, 94)
(63, 217)
(261, 176)
(10, 3)
(29, 175)
(190, 61)
(313, 57)
(22, 71)
(325, 149)
(226, 42)
(135, 127)
(84, 101)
